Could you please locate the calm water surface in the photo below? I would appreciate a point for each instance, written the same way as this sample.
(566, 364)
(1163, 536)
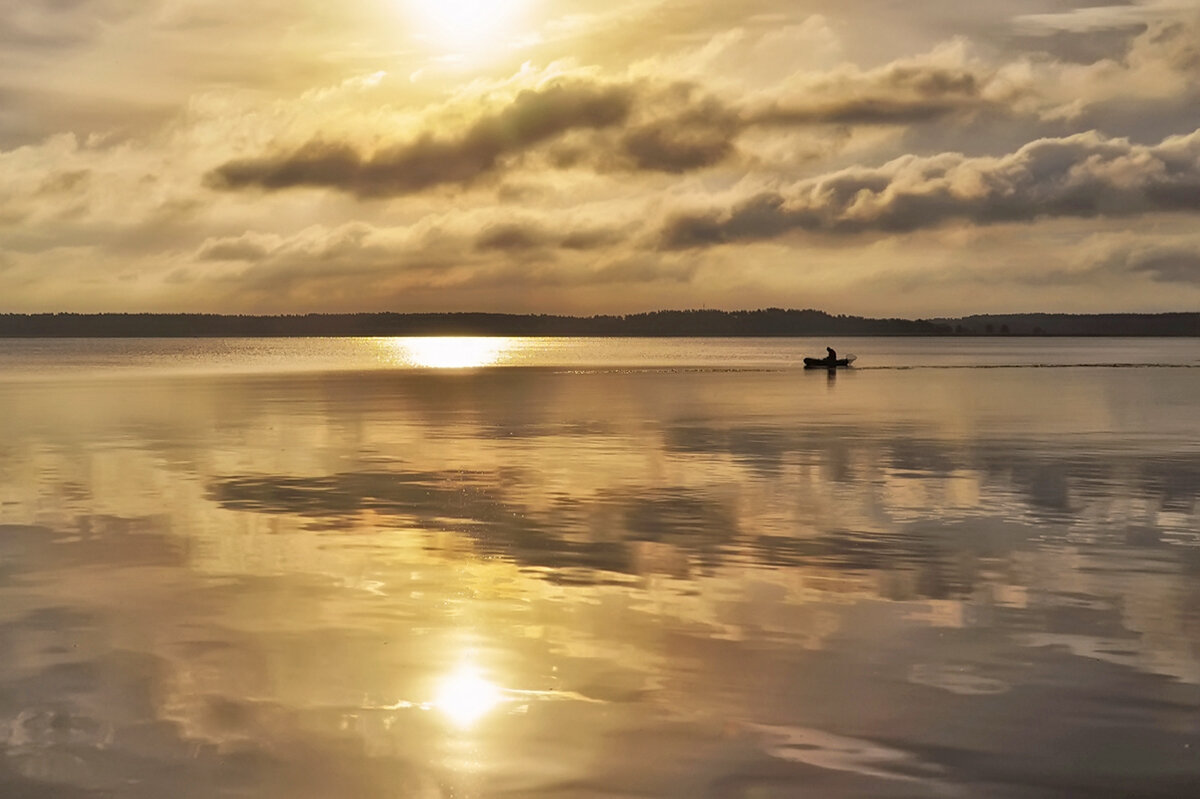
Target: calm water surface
(370, 568)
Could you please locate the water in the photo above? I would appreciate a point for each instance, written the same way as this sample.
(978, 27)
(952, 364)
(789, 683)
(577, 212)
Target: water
(599, 568)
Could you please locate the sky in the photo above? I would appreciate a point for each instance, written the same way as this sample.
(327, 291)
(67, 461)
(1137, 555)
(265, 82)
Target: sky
(911, 158)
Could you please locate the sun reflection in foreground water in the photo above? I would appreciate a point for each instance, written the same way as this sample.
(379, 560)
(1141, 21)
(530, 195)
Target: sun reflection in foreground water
(464, 696)
(451, 352)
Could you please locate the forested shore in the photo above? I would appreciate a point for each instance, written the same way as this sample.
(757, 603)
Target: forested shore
(688, 323)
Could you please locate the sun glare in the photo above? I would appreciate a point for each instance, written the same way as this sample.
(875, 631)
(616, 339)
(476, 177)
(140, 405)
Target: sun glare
(464, 697)
(451, 352)
(466, 27)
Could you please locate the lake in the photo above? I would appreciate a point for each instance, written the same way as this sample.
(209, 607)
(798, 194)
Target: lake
(567, 568)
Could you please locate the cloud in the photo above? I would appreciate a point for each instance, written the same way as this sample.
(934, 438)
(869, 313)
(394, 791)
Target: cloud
(357, 265)
(1149, 89)
(1168, 265)
(906, 91)
(510, 237)
(1085, 175)
(60, 24)
(633, 123)
(622, 147)
(521, 237)
(671, 129)
(249, 246)
(700, 135)
(1106, 17)
(590, 238)
(1173, 260)
(533, 117)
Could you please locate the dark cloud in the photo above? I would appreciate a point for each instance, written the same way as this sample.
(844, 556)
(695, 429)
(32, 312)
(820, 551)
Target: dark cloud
(668, 147)
(589, 238)
(346, 266)
(532, 118)
(1149, 90)
(243, 248)
(1175, 42)
(512, 237)
(1086, 175)
(1163, 264)
(698, 132)
(702, 131)
(763, 216)
(672, 128)
(897, 94)
(863, 111)
(523, 236)
(64, 182)
(1081, 47)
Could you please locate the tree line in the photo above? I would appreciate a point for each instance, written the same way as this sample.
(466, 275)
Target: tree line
(690, 323)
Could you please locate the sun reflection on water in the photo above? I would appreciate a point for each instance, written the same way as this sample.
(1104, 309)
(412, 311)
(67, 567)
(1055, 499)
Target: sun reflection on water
(464, 696)
(450, 352)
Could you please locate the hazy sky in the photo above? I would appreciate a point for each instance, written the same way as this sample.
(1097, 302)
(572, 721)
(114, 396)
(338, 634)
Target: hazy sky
(876, 157)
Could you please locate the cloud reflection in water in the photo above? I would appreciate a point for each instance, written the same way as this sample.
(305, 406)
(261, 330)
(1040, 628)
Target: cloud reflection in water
(680, 583)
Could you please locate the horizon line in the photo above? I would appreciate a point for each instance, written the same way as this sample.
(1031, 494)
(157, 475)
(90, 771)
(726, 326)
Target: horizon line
(609, 315)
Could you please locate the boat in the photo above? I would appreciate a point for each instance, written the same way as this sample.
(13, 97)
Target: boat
(825, 363)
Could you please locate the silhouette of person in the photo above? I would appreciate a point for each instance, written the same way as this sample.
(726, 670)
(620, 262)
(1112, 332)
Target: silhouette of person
(832, 354)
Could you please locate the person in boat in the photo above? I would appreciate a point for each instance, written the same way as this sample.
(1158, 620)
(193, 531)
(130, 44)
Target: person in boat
(832, 356)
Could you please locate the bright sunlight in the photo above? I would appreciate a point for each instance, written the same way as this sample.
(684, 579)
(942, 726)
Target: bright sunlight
(464, 697)
(467, 27)
(450, 352)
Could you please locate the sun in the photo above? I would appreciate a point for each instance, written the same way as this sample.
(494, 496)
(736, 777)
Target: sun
(467, 27)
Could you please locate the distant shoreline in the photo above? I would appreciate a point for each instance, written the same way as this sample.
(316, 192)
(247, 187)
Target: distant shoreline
(769, 322)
